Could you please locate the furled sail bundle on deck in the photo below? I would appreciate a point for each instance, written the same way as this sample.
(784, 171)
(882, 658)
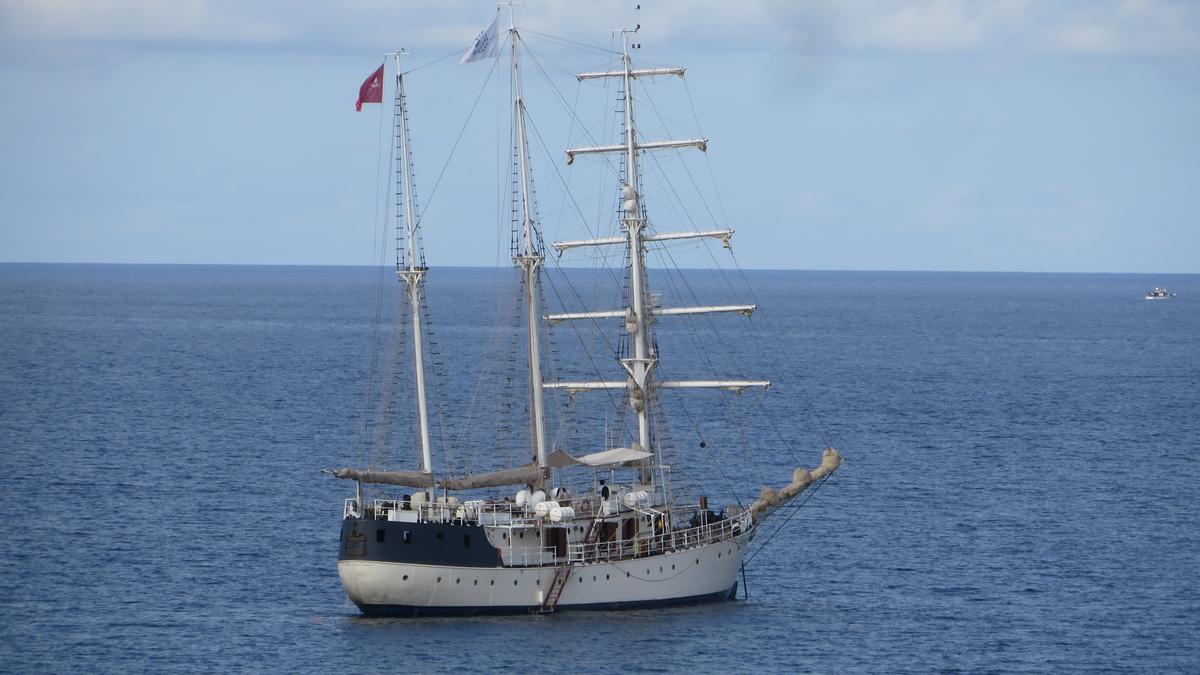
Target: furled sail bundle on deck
(406, 478)
(521, 475)
(769, 500)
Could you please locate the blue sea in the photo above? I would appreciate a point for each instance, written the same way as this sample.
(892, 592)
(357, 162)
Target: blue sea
(1019, 492)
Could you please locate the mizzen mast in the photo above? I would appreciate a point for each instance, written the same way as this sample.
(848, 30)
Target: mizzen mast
(411, 269)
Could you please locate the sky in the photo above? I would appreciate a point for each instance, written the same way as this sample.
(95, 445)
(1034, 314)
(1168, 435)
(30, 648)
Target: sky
(975, 135)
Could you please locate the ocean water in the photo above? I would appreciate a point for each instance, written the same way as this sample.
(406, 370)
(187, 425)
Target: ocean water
(1019, 493)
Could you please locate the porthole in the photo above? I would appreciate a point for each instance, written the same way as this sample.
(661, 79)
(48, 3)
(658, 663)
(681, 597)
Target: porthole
(593, 577)
(439, 580)
(514, 582)
(581, 580)
(458, 581)
(476, 582)
(492, 582)
(672, 567)
(537, 582)
(660, 568)
(405, 577)
(607, 578)
(718, 554)
(627, 575)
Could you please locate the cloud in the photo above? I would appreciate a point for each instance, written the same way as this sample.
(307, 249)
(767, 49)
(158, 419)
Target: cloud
(1013, 26)
(929, 26)
(1126, 27)
(1067, 26)
(141, 21)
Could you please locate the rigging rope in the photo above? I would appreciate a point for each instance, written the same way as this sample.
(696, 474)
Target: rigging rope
(436, 61)
(567, 41)
(457, 140)
(666, 255)
(806, 399)
(378, 238)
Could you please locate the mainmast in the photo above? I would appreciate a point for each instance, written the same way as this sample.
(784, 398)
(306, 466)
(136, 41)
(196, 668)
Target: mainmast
(412, 268)
(528, 257)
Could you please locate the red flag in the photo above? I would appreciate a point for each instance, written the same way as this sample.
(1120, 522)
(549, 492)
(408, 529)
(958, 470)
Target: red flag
(371, 91)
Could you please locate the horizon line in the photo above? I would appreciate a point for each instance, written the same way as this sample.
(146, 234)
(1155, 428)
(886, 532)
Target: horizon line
(493, 267)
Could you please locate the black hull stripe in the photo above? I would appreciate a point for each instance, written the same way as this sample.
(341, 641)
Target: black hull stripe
(438, 544)
(413, 611)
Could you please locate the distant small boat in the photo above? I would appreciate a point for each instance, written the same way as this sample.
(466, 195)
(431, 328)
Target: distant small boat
(1159, 294)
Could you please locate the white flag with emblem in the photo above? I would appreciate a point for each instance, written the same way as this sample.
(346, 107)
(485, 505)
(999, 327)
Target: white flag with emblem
(484, 46)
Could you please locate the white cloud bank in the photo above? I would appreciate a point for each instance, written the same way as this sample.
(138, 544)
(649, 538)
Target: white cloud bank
(1144, 27)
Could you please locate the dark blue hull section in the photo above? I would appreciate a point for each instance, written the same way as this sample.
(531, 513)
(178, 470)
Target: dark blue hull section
(447, 544)
(410, 611)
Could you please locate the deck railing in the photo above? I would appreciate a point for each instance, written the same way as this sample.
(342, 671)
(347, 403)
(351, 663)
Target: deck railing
(473, 512)
(507, 514)
(526, 556)
(676, 540)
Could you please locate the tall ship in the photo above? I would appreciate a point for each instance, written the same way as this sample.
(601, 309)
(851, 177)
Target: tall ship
(606, 527)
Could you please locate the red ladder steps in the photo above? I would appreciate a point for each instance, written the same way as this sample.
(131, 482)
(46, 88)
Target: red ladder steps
(561, 576)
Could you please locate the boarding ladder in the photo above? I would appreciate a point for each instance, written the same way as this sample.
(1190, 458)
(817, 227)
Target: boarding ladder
(563, 574)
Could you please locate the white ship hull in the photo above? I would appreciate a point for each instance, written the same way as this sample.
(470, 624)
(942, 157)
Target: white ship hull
(702, 574)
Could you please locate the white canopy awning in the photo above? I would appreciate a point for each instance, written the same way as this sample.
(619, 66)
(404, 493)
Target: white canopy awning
(614, 457)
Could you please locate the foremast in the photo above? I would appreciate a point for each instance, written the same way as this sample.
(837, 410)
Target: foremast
(639, 315)
(410, 265)
(641, 366)
(529, 257)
